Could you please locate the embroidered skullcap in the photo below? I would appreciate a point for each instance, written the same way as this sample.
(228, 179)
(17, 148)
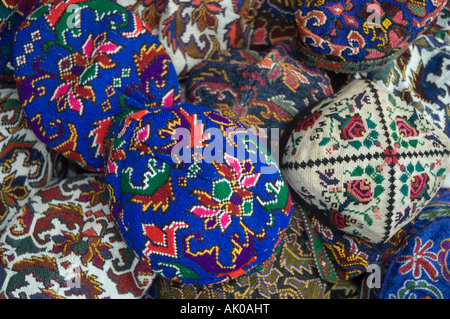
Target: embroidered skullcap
(77, 64)
(350, 36)
(195, 193)
(364, 162)
(261, 90)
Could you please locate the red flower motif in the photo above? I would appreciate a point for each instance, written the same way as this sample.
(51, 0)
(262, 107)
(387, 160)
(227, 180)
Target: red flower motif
(360, 191)
(405, 128)
(338, 220)
(420, 259)
(78, 69)
(419, 187)
(231, 195)
(307, 123)
(353, 127)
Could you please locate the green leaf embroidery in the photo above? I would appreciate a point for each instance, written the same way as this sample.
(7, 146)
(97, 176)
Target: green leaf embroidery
(355, 144)
(404, 189)
(324, 141)
(440, 172)
(358, 171)
(419, 167)
(378, 190)
(89, 73)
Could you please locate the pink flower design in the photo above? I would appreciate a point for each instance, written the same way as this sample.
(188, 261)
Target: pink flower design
(78, 69)
(230, 195)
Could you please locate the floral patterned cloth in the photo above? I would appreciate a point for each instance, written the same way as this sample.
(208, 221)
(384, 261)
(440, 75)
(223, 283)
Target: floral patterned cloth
(26, 165)
(64, 244)
(192, 31)
(83, 66)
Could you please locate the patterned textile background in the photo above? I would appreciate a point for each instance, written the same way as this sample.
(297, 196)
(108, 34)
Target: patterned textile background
(26, 165)
(194, 30)
(64, 244)
(88, 64)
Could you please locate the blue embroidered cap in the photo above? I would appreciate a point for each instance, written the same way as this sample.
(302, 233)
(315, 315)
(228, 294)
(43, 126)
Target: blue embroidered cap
(195, 192)
(77, 64)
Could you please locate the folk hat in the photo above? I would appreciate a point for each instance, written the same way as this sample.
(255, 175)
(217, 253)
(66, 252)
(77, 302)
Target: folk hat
(195, 193)
(364, 162)
(78, 64)
(351, 36)
(420, 269)
(266, 91)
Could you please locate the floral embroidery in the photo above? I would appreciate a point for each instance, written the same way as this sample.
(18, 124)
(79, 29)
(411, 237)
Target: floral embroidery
(78, 69)
(308, 122)
(421, 259)
(353, 127)
(419, 187)
(359, 191)
(205, 13)
(230, 195)
(405, 128)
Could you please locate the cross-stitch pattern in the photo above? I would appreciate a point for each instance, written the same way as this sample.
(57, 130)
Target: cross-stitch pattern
(195, 219)
(350, 36)
(366, 161)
